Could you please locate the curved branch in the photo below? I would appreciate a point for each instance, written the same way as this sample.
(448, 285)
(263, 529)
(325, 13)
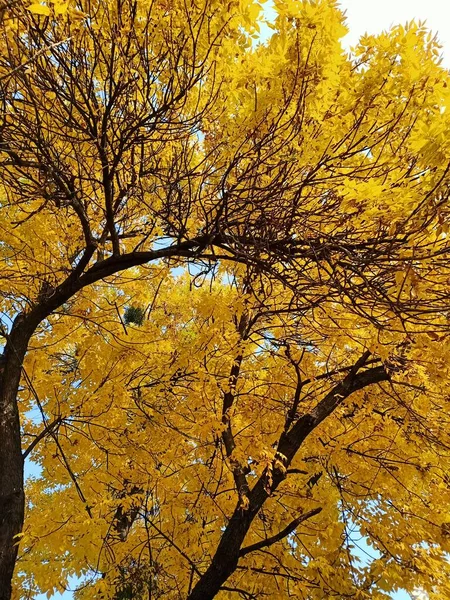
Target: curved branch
(280, 535)
(226, 558)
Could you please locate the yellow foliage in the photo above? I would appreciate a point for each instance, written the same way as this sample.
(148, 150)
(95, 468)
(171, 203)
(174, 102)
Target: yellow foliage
(224, 300)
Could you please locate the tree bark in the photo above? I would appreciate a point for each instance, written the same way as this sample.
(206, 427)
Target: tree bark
(12, 498)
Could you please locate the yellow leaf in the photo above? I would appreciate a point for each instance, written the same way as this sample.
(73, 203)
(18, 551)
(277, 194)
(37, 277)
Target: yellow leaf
(18, 538)
(61, 9)
(39, 9)
(432, 335)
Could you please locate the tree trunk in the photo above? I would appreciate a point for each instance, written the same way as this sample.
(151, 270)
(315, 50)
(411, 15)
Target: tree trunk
(226, 557)
(12, 498)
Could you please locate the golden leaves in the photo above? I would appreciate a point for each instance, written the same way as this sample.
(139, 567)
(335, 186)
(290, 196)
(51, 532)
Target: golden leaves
(39, 9)
(323, 180)
(59, 8)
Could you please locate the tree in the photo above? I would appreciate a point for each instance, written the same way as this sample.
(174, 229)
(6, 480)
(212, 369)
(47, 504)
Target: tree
(225, 291)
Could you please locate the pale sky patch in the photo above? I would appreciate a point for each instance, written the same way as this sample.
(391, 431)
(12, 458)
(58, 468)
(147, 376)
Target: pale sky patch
(368, 16)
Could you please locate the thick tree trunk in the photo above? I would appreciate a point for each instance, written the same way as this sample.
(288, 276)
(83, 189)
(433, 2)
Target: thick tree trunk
(226, 557)
(12, 499)
(11, 492)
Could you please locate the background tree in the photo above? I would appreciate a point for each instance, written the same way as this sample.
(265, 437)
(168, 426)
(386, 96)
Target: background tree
(287, 386)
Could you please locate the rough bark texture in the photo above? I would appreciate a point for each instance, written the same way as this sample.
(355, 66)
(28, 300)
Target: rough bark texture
(12, 499)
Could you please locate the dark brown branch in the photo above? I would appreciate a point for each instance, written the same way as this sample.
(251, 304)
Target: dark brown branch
(174, 545)
(46, 431)
(226, 558)
(35, 56)
(243, 593)
(292, 413)
(239, 475)
(282, 534)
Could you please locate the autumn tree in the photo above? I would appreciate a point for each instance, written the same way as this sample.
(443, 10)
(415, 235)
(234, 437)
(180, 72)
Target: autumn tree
(224, 301)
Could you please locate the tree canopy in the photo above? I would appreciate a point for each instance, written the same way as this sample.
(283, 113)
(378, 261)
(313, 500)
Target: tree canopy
(224, 297)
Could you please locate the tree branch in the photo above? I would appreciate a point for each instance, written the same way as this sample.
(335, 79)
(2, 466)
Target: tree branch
(46, 431)
(282, 534)
(225, 560)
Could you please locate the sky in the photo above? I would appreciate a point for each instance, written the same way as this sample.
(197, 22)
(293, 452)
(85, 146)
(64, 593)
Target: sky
(374, 16)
